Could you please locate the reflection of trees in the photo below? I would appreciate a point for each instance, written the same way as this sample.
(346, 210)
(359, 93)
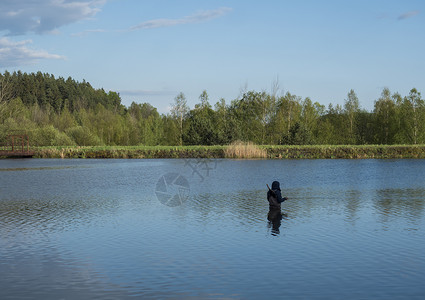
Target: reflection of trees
(249, 207)
(303, 204)
(400, 203)
(352, 203)
(246, 206)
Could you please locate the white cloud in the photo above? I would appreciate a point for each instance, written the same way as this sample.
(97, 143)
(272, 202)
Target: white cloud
(18, 53)
(408, 15)
(196, 18)
(44, 16)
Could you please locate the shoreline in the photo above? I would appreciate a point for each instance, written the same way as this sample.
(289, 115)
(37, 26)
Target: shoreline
(272, 152)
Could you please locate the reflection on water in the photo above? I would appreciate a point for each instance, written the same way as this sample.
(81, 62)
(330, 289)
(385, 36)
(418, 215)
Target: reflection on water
(275, 217)
(96, 229)
(396, 205)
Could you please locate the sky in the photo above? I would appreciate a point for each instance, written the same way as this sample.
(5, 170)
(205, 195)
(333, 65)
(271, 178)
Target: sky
(151, 50)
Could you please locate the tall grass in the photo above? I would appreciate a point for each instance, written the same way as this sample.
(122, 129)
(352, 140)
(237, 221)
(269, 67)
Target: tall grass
(130, 152)
(236, 150)
(240, 149)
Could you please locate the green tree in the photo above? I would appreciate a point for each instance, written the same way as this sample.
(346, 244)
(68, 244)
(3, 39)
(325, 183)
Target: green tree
(40, 116)
(201, 126)
(385, 118)
(249, 117)
(325, 131)
(309, 117)
(83, 136)
(413, 116)
(50, 136)
(171, 131)
(179, 111)
(15, 109)
(63, 120)
(287, 117)
(223, 122)
(204, 103)
(5, 90)
(399, 135)
(366, 128)
(352, 108)
(334, 126)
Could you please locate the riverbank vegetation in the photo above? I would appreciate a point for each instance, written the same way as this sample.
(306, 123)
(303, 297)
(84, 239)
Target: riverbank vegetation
(64, 112)
(240, 149)
(236, 151)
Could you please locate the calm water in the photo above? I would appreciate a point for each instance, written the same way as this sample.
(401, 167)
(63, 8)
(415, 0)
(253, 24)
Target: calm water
(84, 229)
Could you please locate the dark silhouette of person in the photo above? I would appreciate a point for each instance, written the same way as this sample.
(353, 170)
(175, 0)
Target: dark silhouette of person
(275, 220)
(274, 196)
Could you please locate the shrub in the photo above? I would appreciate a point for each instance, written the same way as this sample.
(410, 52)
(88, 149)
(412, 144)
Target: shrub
(83, 136)
(49, 136)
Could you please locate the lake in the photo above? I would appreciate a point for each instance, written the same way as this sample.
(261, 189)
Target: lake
(200, 229)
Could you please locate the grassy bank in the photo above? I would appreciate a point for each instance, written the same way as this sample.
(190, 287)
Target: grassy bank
(131, 152)
(346, 151)
(266, 151)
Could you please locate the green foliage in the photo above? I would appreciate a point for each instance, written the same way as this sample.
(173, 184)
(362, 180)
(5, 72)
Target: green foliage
(352, 108)
(179, 112)
(50, 136)
(250, 116)
(413, 117)
(201, 127)
(58, 111)
(83, 136)
(385, 118)
(298, 135)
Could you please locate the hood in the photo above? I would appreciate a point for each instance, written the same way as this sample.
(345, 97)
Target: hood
(276, 185)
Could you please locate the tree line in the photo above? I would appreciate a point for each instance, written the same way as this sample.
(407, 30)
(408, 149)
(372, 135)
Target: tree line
(55, 111)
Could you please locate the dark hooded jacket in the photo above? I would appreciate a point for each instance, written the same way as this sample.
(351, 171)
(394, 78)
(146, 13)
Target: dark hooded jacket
(274, 196)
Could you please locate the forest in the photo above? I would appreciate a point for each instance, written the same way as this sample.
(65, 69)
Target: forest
(64, 112)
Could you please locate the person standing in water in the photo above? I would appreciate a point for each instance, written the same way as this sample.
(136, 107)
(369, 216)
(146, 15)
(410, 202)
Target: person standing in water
(274, 196)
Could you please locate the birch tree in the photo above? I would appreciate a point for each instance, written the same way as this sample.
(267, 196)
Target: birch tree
(179, 111)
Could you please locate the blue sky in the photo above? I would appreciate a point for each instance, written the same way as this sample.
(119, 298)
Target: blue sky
(150, 50)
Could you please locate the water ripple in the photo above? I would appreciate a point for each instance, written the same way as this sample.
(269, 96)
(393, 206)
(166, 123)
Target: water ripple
(99, 232)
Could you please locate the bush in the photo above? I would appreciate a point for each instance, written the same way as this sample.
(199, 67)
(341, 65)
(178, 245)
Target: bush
(49, 136)
(83, 136)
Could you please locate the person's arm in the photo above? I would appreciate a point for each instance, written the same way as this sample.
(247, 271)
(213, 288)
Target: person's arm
(279, 197)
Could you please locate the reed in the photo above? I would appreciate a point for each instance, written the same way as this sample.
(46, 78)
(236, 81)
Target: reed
(237, 150)
(240, 149)
(130, 152)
